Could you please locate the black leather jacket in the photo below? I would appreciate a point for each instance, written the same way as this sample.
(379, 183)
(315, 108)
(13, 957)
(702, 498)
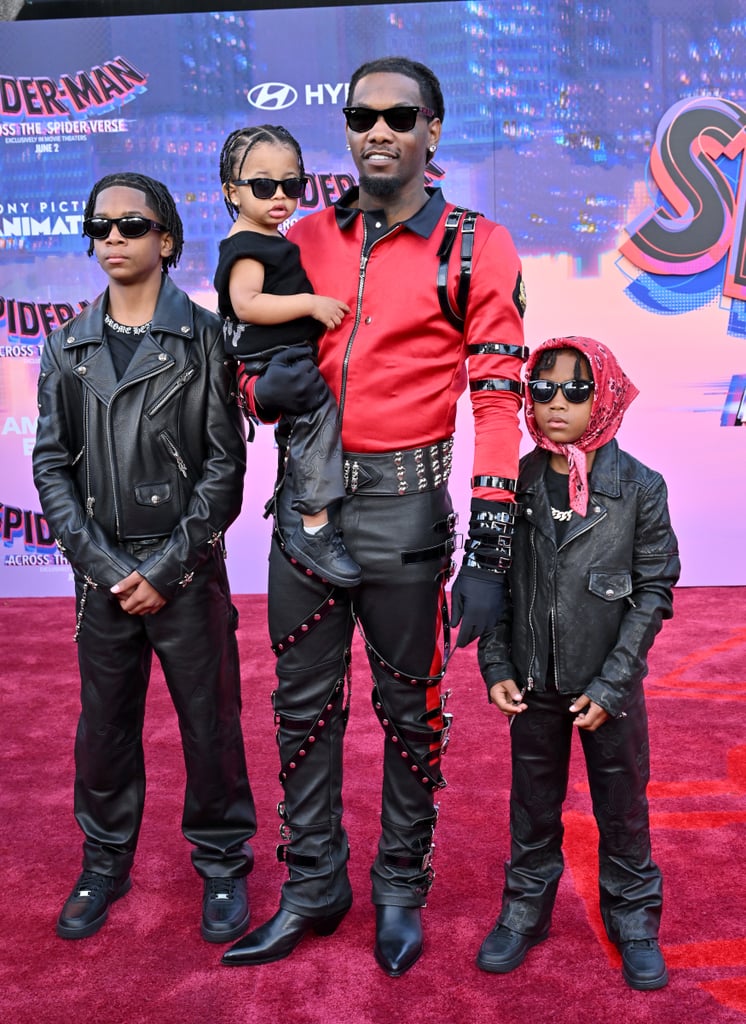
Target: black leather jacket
(159, 454)
(599, 599)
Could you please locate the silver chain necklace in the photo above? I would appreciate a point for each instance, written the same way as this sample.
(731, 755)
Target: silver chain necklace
(560, 515)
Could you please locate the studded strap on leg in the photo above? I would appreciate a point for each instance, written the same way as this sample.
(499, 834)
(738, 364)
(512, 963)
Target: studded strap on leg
(427, 769)
(311, 728)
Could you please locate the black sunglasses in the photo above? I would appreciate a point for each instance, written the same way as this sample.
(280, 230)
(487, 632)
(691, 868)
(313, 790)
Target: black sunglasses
(131, 226)
(399, 119)
(575, 391)
(265, 188)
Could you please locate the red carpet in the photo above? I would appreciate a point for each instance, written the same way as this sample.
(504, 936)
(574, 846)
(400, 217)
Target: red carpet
(149, 965)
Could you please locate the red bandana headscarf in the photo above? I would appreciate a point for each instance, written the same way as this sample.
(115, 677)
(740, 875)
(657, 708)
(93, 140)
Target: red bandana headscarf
(612, 394)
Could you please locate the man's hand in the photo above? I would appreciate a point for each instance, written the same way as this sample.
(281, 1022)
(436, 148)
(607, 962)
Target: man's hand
(291, 383)
(591, 717)
(506, 696)
(136, 596)
(477, 600)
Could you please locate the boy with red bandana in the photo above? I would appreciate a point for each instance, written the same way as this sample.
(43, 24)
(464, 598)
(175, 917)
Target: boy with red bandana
(595, 561)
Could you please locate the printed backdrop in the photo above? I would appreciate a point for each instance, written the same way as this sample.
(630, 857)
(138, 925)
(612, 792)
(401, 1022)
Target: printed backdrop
(609, 138)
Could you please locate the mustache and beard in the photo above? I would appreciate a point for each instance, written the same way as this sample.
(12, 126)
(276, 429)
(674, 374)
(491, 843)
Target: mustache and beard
(380, 188)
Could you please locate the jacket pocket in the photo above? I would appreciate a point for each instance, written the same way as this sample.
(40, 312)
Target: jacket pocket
(152, 495)
(610, 585)
(172, 390)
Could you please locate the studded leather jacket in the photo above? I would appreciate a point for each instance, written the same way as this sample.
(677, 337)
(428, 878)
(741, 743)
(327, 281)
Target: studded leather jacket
(159, 455)
(585, 613)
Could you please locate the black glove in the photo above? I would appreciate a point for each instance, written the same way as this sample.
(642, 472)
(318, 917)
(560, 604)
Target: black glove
(291, 383)
(477, 602)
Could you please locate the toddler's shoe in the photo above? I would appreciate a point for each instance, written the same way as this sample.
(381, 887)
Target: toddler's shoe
(325, 553)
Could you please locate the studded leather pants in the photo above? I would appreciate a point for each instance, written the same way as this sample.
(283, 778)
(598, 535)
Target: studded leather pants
(403, 544)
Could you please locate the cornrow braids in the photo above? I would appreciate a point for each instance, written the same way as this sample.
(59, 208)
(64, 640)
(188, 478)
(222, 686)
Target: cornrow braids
(432, 94)
(159, 199)
(240, 142)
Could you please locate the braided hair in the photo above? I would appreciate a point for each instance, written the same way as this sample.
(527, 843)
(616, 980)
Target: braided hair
(237, 146)
(160, 201)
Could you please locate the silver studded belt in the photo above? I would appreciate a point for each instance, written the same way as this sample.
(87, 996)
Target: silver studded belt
(406, 471)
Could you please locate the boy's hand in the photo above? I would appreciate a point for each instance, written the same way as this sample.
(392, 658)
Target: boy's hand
(330, 312)
(506, 696)
(136, 596)
(591, 716)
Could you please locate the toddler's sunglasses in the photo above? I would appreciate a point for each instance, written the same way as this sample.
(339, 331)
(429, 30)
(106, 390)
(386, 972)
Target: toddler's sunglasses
(265, 188)
(575, 391)
(132, 226)
(399, 119)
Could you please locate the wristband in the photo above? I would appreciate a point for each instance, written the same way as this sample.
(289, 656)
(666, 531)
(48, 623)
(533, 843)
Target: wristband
(489, 546)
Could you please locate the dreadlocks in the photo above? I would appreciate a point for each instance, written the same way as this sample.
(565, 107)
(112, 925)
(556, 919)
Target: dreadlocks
(237, 145)
(159, 199)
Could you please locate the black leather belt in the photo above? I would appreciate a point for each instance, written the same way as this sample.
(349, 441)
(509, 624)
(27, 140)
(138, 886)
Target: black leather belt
(406, 471)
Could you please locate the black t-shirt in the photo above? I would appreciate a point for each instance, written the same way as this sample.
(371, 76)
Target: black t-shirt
(283, 275)
(123, 343)
(558, 490)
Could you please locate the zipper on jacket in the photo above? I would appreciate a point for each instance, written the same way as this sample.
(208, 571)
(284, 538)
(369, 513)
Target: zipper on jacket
(555, 662)
(553, 619)
(109, 441)
(174, 452)
(184, 377)
(90, 500)
(364, 257)
(532, 605)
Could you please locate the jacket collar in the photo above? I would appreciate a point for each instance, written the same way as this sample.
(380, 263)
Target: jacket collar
(605, 477)
(421, 223)
(173, 315)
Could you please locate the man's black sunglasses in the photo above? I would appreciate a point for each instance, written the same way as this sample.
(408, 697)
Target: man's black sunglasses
(399, 119)
(575, 391)
(265, 188)
(131, 226)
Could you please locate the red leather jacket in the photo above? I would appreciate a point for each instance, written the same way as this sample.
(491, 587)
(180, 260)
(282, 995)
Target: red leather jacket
(396, 365)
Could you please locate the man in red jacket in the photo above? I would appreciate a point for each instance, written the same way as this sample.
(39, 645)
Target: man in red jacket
(396, 366)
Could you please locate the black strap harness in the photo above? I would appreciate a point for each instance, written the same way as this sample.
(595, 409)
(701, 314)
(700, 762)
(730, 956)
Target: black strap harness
(465, 220)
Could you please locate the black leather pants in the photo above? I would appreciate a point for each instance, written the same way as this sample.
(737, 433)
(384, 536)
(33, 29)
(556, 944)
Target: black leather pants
(314, 467)
(618, 765)
(311, 450)
(194, 638)
(398, 605)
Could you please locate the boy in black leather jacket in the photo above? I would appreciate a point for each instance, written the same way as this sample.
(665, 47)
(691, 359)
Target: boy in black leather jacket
(139, 463)
(594, 563)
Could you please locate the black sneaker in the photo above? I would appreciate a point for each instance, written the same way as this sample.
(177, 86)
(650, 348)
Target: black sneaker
(87, 907)
(503, 950)
(225, 909)
(325, 553)
(643, 966)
